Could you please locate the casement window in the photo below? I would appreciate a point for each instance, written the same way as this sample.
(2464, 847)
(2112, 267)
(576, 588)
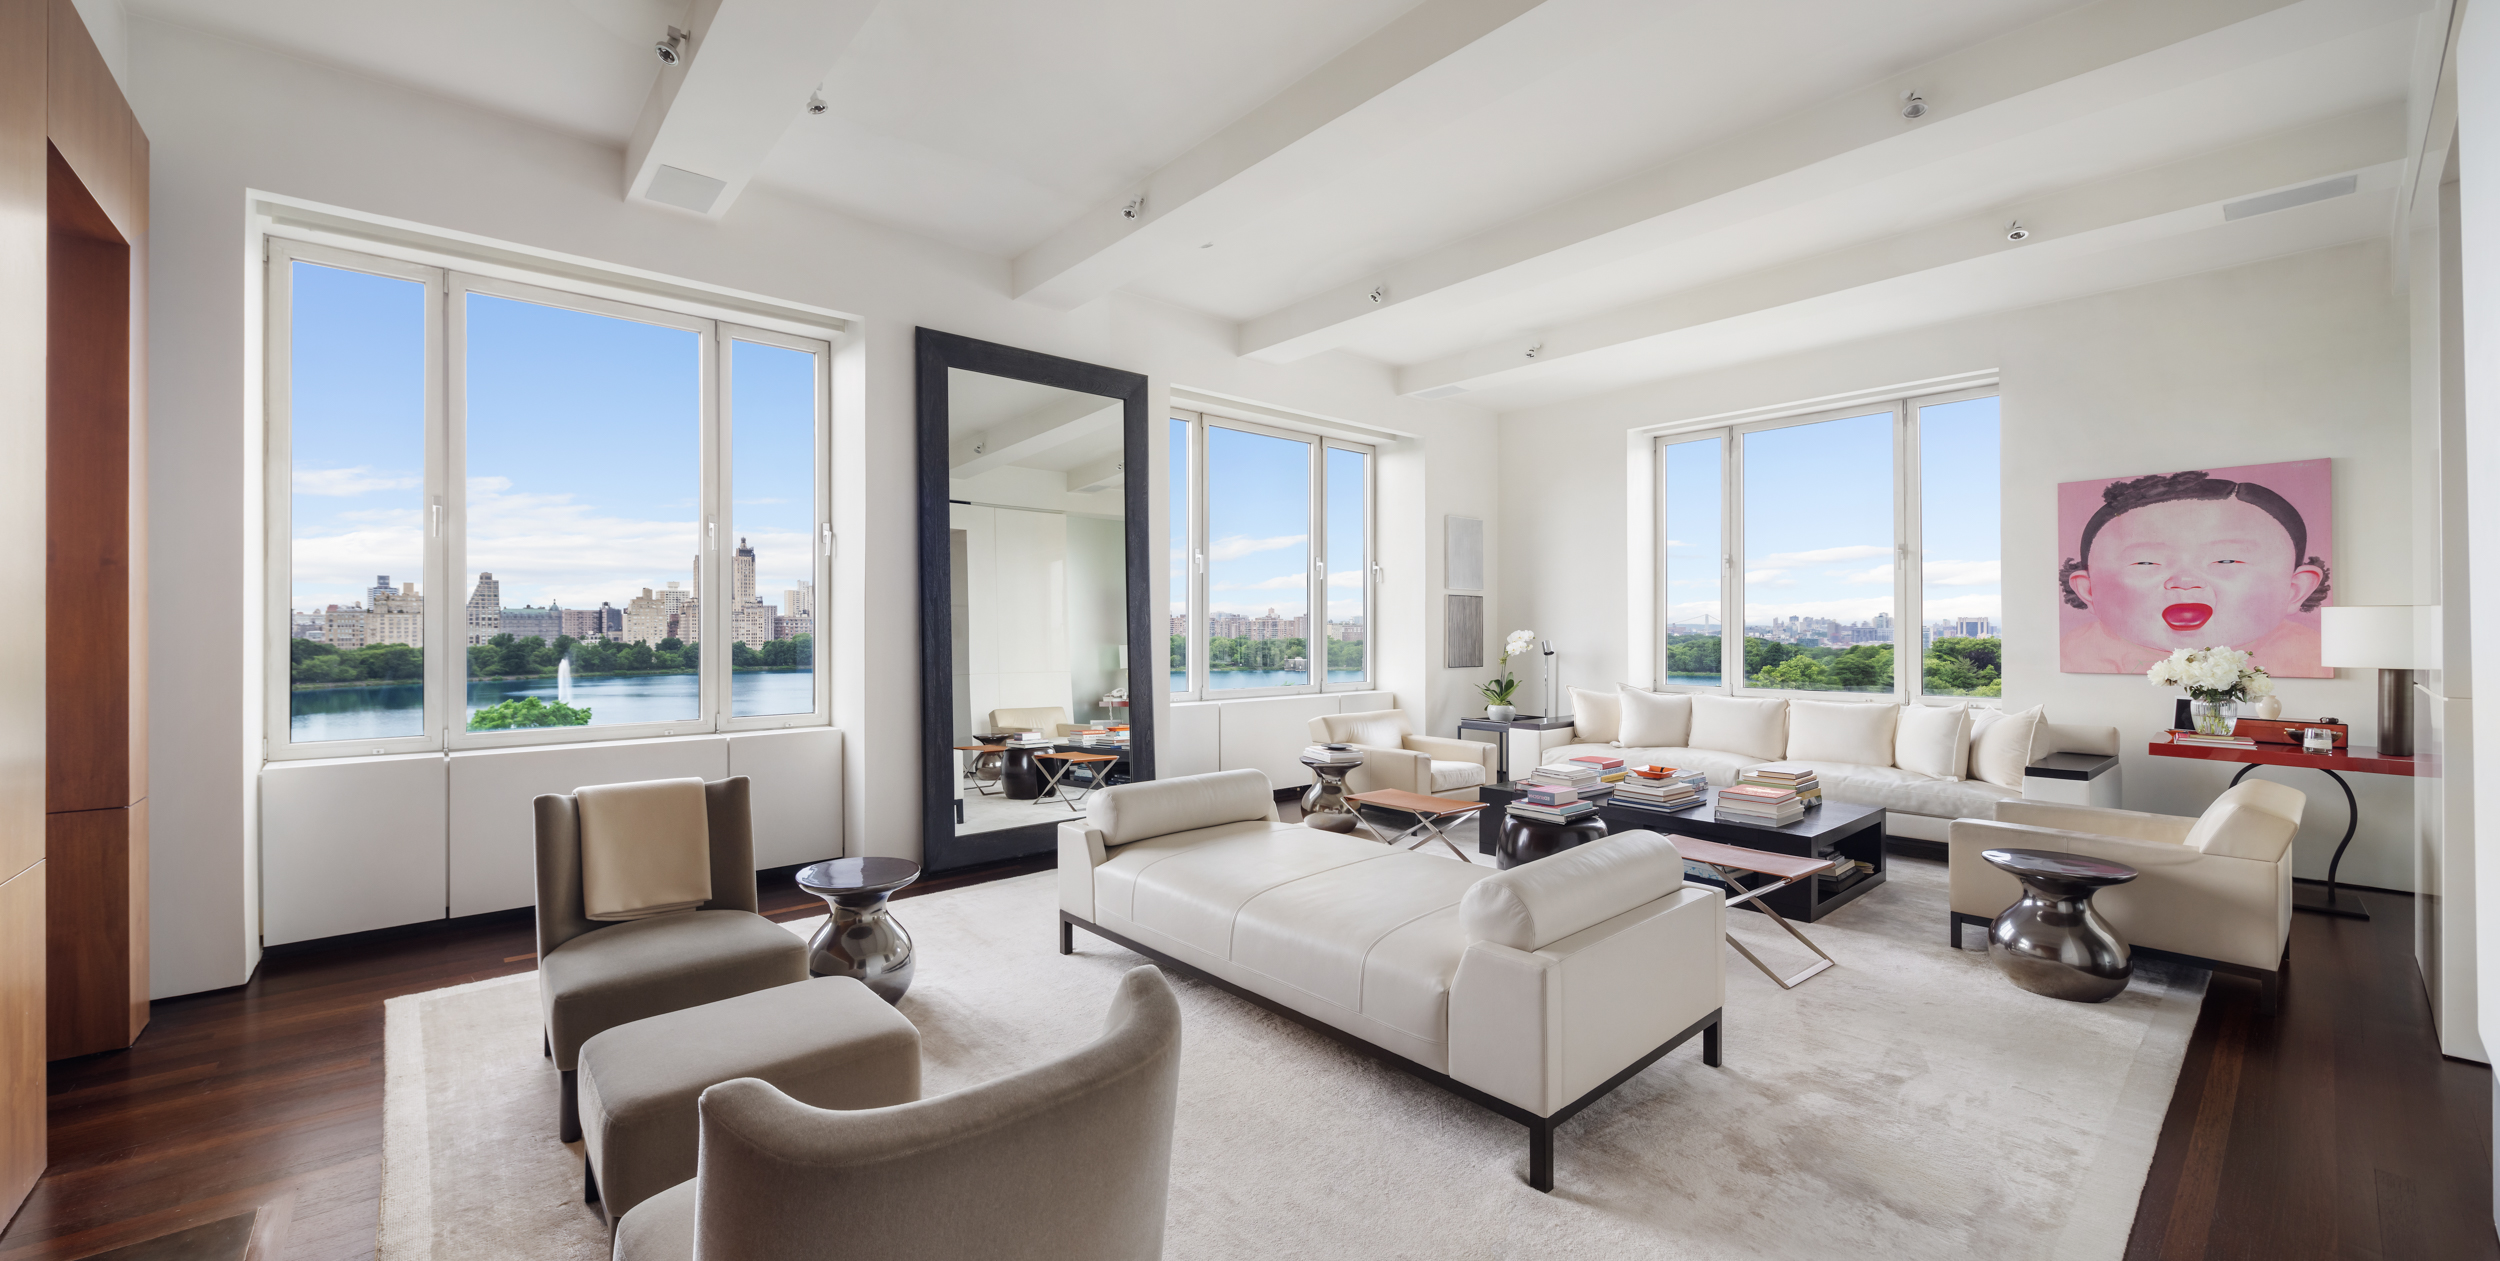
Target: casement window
(1853, 550)
(1272, 571)
(507, 513)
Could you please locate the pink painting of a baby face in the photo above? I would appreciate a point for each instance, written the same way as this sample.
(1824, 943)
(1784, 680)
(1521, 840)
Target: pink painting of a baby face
(2193, 572)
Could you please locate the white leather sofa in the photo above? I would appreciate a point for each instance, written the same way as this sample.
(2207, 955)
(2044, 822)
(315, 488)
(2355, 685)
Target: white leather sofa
(2215, 890)
(1531, 991)
(1926, 765)
(1395, 757)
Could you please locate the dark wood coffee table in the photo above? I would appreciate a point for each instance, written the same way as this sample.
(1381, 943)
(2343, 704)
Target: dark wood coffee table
(1831, 830)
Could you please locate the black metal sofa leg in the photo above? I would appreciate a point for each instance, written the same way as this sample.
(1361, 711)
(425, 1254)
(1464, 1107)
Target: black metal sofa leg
(569, 1124)
(590, 1181)
(1541, 1155)
(1067, 937)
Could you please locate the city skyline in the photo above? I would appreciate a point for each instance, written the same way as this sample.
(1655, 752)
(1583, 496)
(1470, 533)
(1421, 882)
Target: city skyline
(582, 436)
(396, 613)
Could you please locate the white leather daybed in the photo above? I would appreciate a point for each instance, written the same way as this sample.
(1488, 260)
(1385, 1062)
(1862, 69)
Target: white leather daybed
(1531, 992)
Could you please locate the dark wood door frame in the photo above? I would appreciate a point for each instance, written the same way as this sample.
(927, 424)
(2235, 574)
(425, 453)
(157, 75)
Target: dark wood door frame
(937, 352)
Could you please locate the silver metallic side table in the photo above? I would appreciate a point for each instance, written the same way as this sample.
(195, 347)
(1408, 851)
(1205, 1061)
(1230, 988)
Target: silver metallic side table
(859, 939)
(1323, 804)
(2052, 942)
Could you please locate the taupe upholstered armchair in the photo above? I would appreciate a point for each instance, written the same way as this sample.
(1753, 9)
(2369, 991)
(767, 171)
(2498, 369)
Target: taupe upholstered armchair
(597, 974)
(1066, 1161)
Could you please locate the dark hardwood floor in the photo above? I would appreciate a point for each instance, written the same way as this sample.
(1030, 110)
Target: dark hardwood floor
(2334, 1130)
(2331, 1129)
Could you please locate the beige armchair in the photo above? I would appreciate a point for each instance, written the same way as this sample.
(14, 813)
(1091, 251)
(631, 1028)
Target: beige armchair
(1395, 757)
(2215, 891)
(596, 974)
(1066, 1161)
(1050, 720)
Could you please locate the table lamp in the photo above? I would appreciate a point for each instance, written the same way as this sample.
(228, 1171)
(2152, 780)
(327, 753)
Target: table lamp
(2377, 637)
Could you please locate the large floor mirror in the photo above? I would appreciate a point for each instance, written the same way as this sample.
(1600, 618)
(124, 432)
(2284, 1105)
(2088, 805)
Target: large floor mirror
(1033, 595)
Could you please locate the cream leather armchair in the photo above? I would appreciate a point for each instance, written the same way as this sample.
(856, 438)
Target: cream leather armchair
(1395, 757)
(2215, 890)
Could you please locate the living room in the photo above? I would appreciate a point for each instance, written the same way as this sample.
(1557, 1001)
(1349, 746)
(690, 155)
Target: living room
(800, 419)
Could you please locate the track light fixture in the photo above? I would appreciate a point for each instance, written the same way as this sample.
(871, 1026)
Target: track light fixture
(816, 103)
(1135, 209)
(2018, 232)
(673, 49)
(1913, 105)
(1379, 294)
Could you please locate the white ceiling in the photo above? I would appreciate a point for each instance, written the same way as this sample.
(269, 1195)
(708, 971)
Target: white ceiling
(1638, 188)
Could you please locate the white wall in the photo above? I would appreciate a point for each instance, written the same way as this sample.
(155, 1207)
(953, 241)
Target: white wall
(224, 118)
(2293, 358)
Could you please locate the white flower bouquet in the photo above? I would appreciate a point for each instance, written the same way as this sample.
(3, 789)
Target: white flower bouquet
(2217, 679)
(2213, 675)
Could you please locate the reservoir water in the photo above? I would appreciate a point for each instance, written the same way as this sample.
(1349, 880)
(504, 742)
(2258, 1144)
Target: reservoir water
(372, 713)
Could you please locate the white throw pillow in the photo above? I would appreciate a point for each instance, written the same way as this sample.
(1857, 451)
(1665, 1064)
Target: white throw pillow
(2000, 746)
(1742, 726)
(1655, 720)
(1596, 717)
(1841, 731)
(1933, 740)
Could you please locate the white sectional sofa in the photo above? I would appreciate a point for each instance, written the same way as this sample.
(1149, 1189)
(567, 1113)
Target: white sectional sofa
(1926, 765)
(1531, 992)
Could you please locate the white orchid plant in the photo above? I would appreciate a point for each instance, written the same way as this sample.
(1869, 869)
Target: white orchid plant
(2214, 675)
(1498, 691)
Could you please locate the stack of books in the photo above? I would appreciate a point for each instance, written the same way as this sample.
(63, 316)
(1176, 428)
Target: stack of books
(1580, 778)
(1761, 803)
(1332, 753)
(1029, 737)
(1552, 803)
(2212, 742)
(1664, 791)
(1101, 739)
(1797, 779)
(1610, 770)
(1697, 779)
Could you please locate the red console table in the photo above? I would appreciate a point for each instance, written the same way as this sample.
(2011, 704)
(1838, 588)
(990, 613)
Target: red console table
(2365, 761)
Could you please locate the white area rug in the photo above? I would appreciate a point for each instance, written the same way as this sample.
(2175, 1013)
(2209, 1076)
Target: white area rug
(1908, 1103)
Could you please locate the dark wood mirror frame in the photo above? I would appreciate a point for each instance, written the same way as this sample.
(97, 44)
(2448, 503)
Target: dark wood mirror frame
(940, 848)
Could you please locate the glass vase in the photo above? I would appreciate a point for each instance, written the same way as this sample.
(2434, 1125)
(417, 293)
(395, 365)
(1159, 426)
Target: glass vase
(2214, 718)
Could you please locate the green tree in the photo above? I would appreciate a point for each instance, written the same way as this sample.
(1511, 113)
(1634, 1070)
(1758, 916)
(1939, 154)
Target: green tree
(528, 711)
(1866, 667)
(1764, 654)
(1802, 673)
(743, 656)
(1694, 654)
(1345, 654)
(300, 651)
(1180, 651)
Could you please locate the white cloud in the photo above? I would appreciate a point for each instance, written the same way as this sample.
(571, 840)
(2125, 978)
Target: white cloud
(1881, 573)
(343, 482)
(1349, 578)
(1289, 582)
(1962, 573)
(1824, 555)
(1236, 546)
(1768, 578)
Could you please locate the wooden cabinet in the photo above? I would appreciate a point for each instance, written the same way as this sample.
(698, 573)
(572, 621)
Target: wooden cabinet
(73, 682)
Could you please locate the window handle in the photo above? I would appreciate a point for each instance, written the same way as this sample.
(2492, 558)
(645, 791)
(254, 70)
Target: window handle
(828, 540)
(438, 516)
(711, 534)
(1199, 559)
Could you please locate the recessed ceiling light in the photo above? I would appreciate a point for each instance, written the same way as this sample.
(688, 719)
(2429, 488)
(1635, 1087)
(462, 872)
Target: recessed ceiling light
(1913, 105)
(2018, 232)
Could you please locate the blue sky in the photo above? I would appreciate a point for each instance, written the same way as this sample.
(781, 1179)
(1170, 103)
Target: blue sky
(584, 447)
(1258, 524)
(1818, 518)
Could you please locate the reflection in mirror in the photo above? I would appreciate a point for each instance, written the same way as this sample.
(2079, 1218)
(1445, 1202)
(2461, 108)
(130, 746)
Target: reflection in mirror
(1037, 579)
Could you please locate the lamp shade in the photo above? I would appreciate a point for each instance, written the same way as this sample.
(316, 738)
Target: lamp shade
(2368, 637)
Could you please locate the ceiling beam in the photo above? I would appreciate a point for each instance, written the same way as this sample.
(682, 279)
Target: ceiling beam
(2167, 200)
(2069, 66)
(1012, 441)
(743, 77)
(1102, 474)
(1415, 73)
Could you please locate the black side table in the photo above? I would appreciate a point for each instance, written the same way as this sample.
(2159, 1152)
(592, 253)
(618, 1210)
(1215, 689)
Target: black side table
(2052, 942)
(858, 939)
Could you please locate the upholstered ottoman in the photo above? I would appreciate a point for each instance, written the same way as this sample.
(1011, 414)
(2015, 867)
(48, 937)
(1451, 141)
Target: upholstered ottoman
(828, 1042)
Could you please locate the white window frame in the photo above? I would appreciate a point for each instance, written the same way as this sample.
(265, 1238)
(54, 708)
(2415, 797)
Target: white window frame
(1200, 674)
(1909, 588)
(446, 574)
